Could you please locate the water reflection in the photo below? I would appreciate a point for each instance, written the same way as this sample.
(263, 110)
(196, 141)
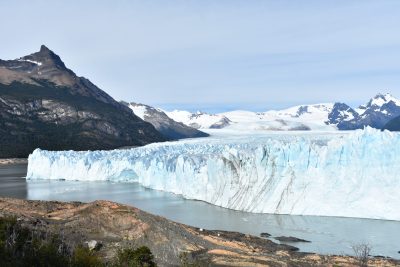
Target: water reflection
(11, 184)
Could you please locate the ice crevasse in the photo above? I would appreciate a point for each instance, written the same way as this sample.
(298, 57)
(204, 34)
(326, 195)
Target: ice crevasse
(353, 174)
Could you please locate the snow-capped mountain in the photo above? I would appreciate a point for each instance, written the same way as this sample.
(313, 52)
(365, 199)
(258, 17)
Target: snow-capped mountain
(313, 113)
(343, 116)
(326, 116)
(304, 117)
(380, 103)
(200, 120)
(378, 111)
(164, 124)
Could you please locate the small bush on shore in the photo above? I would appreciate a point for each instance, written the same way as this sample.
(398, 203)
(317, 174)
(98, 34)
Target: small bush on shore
(361, 252)
(140, 257)
(20, 246)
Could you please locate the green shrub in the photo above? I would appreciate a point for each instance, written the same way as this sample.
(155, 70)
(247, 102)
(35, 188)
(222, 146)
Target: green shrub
(140, 257)
(6, 225)
(83, 257)
(21, 246)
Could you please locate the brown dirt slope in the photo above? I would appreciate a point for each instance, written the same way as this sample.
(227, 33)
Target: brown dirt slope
(118, 226)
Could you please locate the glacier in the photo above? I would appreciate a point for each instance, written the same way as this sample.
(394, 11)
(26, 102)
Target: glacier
(352, 174)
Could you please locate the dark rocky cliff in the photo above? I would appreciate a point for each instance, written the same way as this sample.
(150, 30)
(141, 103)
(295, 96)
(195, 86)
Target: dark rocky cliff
(45, 105)
(393, 125)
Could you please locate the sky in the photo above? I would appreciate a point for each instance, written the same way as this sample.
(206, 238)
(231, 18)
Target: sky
(217, 55)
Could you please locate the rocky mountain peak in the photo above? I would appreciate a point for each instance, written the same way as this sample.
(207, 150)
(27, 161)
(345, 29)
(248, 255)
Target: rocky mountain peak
(44, 104)
(45, 67)
(44, 48)
(376, 113)
(302, 110)
(381, 99)
(46, 58)
(341, 114)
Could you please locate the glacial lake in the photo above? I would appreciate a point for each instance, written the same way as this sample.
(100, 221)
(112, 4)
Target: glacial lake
(328, 235)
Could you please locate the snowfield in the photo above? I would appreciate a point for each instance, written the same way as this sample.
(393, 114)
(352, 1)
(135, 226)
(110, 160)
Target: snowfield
(199, 120)
(306, 117)
(320, 117)
(352, 174)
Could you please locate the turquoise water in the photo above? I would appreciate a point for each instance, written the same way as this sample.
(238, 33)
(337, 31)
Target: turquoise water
(328, 235)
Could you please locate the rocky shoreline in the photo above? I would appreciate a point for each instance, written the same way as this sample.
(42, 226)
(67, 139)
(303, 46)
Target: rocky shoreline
(8, 161)
(114, 226)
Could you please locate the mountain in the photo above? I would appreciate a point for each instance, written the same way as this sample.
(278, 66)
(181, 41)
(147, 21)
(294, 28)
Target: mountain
(305, 117)
(314, 113)
(325, 117)
(164, 124)
(379, 111)
(393, 125)
(200, 120)
(376, 113)
(43, 104)
(46, 65)
(343, 116)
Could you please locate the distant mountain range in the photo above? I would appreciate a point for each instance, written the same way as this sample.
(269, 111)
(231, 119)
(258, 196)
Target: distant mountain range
(43, 104)
(200, 120)
(377, 113)
(164, 124)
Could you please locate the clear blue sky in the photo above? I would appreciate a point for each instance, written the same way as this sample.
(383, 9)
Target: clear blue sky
(217, 55)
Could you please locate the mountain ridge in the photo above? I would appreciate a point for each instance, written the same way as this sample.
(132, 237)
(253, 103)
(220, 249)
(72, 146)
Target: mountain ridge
(43, 104)
(376, 113)
(170, 128)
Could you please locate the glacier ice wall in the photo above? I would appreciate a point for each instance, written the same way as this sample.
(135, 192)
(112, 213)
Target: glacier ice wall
(354, 174)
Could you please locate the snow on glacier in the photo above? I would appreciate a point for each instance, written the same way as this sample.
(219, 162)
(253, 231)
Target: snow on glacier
(354, 174)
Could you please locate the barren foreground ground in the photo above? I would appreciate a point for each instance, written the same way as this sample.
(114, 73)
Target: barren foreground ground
(117, 226)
